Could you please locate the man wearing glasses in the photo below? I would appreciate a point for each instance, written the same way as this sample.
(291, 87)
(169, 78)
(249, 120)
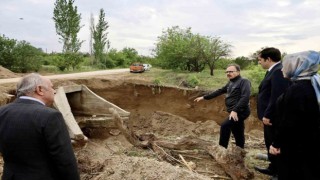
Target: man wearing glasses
(237, 92)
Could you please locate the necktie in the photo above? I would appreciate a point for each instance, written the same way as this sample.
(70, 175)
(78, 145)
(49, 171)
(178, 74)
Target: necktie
(266, 73)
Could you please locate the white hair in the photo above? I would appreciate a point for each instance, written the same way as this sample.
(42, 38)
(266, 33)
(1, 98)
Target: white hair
(28, 84)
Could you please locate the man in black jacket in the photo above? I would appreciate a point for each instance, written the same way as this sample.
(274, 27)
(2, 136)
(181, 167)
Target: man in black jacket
(237, 102)
(34, 140)
(271, 87)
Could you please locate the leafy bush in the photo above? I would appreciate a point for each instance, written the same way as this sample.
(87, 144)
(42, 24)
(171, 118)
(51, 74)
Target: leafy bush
(157, 82)
(193, 81)
(58, 61)
(73, 60)
(243, 62)
(256, 75)
(87, 60)
(27, 58)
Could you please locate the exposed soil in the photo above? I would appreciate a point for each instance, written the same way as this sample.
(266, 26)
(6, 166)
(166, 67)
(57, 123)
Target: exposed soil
(167, 112)
(5, 73)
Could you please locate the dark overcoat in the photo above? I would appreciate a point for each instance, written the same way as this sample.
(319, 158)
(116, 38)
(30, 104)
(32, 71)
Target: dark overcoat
(35, 143)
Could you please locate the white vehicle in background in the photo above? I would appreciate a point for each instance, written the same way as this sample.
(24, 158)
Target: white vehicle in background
(147, 67)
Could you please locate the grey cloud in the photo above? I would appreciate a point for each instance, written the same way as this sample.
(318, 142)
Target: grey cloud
(247, 23)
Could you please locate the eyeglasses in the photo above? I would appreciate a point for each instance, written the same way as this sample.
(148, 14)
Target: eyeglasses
(227, 72)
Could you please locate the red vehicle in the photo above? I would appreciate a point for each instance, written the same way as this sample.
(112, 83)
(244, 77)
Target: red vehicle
(136, 67)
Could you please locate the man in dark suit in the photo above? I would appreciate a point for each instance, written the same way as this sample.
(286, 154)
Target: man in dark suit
(271, 87)
(34, 140)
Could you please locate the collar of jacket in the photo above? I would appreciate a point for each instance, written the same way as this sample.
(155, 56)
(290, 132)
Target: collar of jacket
(235, 79)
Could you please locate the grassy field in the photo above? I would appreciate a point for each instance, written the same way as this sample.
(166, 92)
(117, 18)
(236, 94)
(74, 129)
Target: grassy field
(203, 80)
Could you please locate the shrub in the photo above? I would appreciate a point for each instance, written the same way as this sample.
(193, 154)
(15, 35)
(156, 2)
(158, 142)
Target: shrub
(243, 62)
(193, 81)
(256, 75)
(157, 81)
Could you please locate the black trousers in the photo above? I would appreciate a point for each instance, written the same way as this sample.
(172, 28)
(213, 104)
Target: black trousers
(237, 129)
(268, 138)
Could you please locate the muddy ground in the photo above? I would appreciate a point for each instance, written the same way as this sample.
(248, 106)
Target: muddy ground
(167, 112)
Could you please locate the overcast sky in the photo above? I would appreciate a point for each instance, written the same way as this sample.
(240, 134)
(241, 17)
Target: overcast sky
(248, 25)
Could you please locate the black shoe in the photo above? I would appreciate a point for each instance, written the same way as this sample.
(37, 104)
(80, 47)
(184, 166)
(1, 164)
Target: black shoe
(266, 171)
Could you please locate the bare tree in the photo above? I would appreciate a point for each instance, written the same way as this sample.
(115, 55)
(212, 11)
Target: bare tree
(215, 50)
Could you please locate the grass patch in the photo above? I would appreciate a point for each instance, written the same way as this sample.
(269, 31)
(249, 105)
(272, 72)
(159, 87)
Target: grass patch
(203, 79)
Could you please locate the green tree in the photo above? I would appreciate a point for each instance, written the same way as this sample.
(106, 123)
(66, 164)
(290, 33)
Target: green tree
(7, 46)
(118, 58)
(130, 54)
(100, 40)
(214, 50)
(27, 58)
(19, 56)
(195, 58)
(180, 49)
(92, 60)
(67, 23)
(59, 61)
(73, 59)
(123, 58)
(172, 47)
(243, 62)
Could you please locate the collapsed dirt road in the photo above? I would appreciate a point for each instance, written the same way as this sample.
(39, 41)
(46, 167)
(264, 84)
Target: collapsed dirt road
(166, 112)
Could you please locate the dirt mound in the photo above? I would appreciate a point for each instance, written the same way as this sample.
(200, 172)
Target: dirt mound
(123, 167)
(114, 158)
(165, 124)
(5, 73)
(109, 156)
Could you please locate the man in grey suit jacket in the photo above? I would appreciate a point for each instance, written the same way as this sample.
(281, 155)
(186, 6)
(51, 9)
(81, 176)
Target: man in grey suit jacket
(271, 87)
(34, 140)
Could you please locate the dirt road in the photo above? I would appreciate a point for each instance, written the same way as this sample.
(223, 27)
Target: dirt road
(73, 75)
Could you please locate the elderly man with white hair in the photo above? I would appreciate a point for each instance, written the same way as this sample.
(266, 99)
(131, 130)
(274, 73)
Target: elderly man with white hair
(34, 140)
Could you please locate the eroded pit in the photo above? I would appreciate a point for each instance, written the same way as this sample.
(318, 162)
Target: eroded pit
(141, 100)
(170, 114)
